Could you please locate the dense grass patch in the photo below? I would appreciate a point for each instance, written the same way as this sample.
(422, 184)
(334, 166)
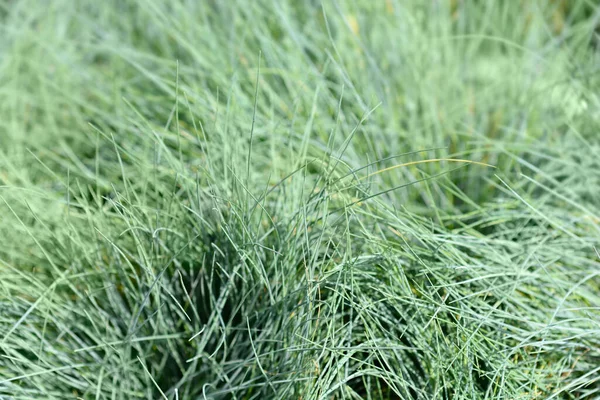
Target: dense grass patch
(299, 199)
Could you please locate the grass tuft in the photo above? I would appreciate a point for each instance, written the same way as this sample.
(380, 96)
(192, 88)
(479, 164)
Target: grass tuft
(283, 199)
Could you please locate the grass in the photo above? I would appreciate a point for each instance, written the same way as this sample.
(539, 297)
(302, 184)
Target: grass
(299, 200)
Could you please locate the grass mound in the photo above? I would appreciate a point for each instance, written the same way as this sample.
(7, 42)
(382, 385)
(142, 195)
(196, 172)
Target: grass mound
(283, 199)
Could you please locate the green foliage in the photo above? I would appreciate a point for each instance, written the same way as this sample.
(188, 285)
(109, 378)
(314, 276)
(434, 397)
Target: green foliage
(299, 199)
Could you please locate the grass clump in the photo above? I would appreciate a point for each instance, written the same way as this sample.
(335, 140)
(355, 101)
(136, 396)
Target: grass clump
(281, 199)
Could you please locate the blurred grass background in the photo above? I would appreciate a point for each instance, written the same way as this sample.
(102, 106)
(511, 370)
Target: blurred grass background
(209, 199)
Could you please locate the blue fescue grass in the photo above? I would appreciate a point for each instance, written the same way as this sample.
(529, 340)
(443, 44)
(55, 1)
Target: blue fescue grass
(282, 199)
